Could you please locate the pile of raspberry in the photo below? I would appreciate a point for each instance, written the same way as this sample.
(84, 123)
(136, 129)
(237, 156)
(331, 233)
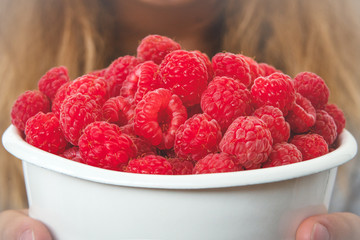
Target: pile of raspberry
(167, 110)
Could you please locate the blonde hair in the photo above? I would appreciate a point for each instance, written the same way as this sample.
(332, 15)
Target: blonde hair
(294, 36)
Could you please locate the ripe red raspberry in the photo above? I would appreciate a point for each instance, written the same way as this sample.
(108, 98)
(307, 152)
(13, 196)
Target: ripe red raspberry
(225, 99)
(267, 69)
(76, 112)
(255, 70)
(144, 147)
(73, 154)
(205, 58)
(254, 166)
(129, 86)
(118, 110)
(52, 80)
(302, 116)
(43, 131)
(91, 85)
(194, 109)
(99, 72)
(282, 154)
(275, 121)
(233, 66)
(27, 105)
(155, 48)
(151, 164)
(338, 115)
(275, 90)
(325, 126)
(103, 145)
(217, 163)
(313, 88)
(157, 117)
(197, 137)
(128, 129)
(249, 139)
(185, 74)
(311, 145)
(58, 99)
(181, 166)
(117, 72)
(147, 79)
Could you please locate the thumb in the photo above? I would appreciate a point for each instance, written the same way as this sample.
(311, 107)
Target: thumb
(335, 226)
(16, 224)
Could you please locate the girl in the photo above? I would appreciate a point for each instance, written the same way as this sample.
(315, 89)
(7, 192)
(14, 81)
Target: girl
(300, 35)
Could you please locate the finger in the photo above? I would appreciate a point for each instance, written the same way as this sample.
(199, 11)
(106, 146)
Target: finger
(335, 226)
(16, 224)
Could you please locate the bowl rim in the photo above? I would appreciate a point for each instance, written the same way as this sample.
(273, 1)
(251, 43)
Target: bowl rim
(17, 146)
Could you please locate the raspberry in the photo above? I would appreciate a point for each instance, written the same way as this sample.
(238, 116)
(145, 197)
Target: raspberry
(313, 88)
(117, 72)
(77, 111)
(147, 79)
(52, 80)
(233, 66)
(255, 70)
(275, 90)
(118, 110)
(267, 69)
(155, 48)
(128, 129)
(185, 74)
(302, 116)
(275, 121)
(311, 145)
(194, 109)
(27, 105)
(157, 117)
(338, 115)
(151, 164)
(59, 98)
(181, 166)
(144, 147)
(43, 131)
(282, 154)
(99, 72)
(249, 139)
(72, 153)
(90, 85)
(254, 166)
(217, 163)
(103, 145)
(205, 58)
(129, 86)
(197, 137)
(225, 99)
(325, 126)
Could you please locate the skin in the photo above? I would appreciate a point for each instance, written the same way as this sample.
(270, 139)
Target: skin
(195, 30)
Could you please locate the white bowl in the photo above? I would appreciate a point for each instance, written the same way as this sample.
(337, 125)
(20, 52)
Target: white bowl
(77, 201)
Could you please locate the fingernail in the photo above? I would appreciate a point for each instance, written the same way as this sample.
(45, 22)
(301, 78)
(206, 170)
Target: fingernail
(320, 232)
(27, 235)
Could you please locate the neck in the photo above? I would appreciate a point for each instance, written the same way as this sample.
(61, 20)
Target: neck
(189, 23)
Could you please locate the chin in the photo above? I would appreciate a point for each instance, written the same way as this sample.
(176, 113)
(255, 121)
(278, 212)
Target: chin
(167, 2)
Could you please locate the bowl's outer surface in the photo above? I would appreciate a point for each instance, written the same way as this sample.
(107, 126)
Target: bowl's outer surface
(78, 202)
